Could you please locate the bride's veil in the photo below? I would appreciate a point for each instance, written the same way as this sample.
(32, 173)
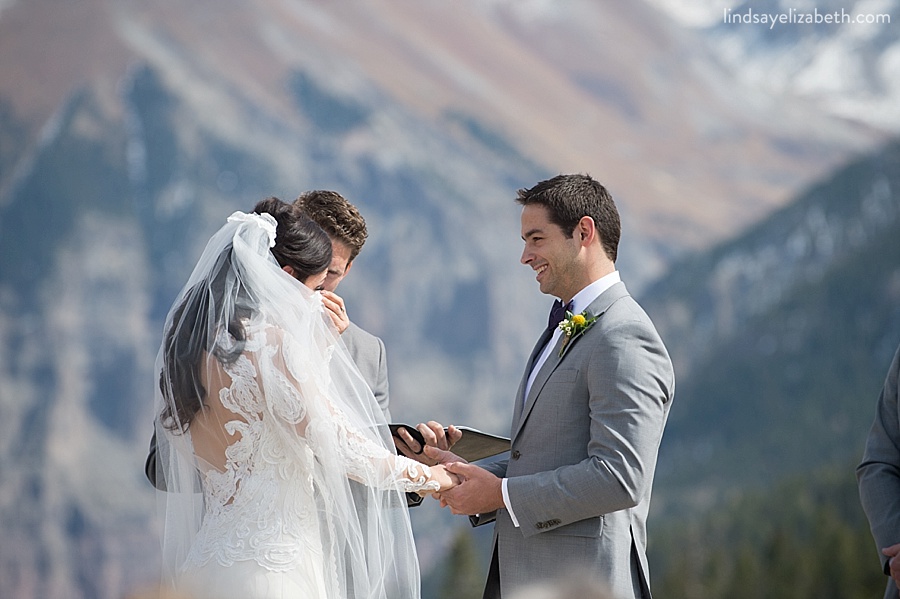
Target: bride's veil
(248, 353)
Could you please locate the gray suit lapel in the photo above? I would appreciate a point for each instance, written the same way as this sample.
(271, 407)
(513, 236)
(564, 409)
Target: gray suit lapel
(597, 308)
(539, 346)
(543, 374)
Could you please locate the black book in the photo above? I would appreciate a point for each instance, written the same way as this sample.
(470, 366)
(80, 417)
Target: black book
(473, 446)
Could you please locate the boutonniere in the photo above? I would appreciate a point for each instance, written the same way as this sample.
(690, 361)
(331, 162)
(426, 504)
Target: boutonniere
(574, 325)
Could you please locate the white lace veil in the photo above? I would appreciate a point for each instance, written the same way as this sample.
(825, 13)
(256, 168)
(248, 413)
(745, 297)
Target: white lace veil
(274, 453)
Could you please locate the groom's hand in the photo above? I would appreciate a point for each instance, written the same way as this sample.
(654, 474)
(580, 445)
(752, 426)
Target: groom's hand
(479, 492)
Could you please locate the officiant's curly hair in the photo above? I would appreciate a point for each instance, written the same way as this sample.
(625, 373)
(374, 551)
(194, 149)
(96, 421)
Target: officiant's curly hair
(299, 243)
(568, 198)
(340, 219)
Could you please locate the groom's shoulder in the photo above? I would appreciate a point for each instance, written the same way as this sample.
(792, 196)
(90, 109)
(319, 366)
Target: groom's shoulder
(623, 312)
(615, 304)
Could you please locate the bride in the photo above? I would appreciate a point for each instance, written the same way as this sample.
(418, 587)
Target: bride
(281, 475)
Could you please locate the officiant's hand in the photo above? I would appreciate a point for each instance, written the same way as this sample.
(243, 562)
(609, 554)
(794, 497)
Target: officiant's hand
(441, 456)
(479, 492)
(334, 307)
(434, 436)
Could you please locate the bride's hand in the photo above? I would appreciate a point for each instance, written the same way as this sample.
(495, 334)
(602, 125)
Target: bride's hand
(446, 479)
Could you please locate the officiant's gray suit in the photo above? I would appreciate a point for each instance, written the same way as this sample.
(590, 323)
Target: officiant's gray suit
(583, 454)
(367, 352)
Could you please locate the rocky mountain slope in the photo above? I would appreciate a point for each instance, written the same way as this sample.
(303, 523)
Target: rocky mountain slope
(782, 337)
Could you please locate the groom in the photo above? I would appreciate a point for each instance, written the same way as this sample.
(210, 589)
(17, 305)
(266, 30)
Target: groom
(588, 416)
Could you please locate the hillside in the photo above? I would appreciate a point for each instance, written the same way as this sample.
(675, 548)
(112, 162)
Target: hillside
(781, 338)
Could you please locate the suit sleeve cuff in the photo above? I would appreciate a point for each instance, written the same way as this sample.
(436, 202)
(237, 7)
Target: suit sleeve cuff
(506, 502)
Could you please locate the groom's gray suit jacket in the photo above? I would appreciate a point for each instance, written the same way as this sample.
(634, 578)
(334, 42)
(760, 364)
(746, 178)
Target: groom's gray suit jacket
(583, 454)
(879, 471)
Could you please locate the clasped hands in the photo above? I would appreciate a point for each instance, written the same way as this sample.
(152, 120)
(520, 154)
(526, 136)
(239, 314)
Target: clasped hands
(469, 489)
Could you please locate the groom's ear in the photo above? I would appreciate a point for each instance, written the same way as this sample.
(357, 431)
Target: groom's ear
(586, 231)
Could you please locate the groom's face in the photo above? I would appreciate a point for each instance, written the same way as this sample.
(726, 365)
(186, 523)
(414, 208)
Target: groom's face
(553, 255)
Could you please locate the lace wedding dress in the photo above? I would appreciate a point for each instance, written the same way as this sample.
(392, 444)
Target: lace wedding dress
(284, 484)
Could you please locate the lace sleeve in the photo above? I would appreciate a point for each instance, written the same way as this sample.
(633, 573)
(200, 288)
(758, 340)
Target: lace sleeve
(305, 399)
(369, 462)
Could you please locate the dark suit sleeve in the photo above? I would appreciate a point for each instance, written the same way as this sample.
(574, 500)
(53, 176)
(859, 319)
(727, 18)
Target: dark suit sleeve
(879, 472)
(497, 468)
(151, 469)
(481, 519)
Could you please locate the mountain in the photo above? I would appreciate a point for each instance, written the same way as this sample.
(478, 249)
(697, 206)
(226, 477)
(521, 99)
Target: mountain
(130, 130)
(781, 337)
(842, 56)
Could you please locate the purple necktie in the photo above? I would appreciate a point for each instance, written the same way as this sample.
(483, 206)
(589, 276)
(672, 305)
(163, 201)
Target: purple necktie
(557, 314)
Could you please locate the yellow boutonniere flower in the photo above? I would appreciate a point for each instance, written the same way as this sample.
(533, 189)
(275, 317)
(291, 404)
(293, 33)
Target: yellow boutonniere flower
(574, 325)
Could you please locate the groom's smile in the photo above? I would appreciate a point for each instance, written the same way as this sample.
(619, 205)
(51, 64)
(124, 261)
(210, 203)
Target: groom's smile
(551, 253)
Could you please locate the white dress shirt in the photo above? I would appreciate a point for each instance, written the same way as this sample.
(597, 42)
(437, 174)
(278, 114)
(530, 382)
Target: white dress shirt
(580, 302)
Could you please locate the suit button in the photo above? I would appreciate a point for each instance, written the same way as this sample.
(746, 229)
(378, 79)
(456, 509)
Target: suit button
(515, 454)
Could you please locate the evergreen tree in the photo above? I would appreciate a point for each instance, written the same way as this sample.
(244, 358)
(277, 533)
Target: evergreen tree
(805, 539)
(464, 578)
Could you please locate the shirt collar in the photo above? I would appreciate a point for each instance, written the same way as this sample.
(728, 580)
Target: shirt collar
(586, 296)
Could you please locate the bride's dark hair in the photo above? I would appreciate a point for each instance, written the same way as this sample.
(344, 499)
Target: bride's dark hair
(299, 243)
(189, 336)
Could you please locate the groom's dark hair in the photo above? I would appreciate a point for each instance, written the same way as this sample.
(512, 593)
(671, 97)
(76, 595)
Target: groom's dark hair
(568, 198)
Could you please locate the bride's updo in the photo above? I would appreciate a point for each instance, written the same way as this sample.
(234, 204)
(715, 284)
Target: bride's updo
(299, 242)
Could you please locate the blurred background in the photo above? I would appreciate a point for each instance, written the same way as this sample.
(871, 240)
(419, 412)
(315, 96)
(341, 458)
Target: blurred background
(756, 168)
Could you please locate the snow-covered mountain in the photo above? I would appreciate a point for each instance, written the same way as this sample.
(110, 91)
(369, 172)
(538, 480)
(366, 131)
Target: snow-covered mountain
(842, 57)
